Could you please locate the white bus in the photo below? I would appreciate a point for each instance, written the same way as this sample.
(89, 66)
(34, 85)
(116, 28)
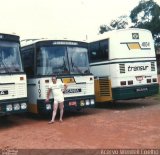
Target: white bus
(66, 59)
(13, 87)
(124, 64)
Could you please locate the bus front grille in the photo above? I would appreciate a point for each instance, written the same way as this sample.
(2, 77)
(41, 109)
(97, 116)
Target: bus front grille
(13, 90)
(21, 89)
(10, 89)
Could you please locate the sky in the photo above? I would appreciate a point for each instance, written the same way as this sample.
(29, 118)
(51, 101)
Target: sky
(59, 19)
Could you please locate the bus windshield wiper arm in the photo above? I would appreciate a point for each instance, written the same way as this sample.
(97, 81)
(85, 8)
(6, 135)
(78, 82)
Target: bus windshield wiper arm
(77, 68)
(7, 70)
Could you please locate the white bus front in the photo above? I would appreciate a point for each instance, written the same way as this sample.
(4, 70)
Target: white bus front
(13, 91)
(69, 61)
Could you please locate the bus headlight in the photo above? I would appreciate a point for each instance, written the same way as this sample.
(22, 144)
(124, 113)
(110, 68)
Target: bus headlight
(16, 106)
(92, 101)
(87, 102)
(9, 107)
(82, 103)
(23, 106)
(48, 106)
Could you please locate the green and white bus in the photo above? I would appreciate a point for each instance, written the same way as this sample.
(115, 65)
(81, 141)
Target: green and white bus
(13, 87)
(124, 64)
(69, 61)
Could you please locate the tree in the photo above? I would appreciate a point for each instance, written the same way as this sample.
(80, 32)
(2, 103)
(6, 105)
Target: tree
(119, 23)
(147, 15)
(104, 28)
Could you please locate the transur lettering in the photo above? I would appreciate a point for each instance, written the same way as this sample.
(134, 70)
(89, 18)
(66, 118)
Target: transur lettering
(137, 68)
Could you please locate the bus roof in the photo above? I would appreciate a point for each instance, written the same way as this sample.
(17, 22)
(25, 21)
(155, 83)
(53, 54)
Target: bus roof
(109, 34)
(9, 37)
(27, 42)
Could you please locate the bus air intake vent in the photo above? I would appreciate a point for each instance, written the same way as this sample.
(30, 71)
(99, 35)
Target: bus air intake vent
(122, 68)
(153, 68)
(104, 87)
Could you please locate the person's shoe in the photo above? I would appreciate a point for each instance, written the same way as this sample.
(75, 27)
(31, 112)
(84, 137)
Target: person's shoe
(60, 120)
(50, 122)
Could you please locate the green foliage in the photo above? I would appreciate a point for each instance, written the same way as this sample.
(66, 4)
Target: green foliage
(119, 23)
(104, 28)
(145, 15)
(144, 12)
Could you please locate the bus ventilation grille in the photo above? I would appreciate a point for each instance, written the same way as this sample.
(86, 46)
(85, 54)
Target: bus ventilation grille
(122, 68)
(153, 68)
(104, 87)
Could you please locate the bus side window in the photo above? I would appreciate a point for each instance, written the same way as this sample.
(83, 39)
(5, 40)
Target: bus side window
(99, 51)
(94, 48)
(104, 49)
(28, 62)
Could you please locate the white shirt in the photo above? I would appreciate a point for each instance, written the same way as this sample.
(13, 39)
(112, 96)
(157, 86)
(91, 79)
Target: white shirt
(57, 90)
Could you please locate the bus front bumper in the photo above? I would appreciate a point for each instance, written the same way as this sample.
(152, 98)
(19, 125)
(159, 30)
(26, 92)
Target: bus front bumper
(13, 106)
(72, 103)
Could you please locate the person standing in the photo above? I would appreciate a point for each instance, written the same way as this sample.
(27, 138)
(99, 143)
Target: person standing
(56, 89)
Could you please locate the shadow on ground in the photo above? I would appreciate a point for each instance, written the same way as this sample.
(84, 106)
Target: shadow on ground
(127, 104)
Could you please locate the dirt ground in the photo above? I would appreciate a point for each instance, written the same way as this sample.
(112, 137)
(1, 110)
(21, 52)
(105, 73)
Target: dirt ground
(125, 124)
(133, 124)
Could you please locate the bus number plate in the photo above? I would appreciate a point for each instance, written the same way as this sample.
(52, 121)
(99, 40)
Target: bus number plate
(3, 92)
(73, 91)
(141, 89)
(73, 103)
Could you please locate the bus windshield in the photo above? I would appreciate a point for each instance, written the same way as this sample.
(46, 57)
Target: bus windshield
(62, 60)
(78, 60)
(10, 61)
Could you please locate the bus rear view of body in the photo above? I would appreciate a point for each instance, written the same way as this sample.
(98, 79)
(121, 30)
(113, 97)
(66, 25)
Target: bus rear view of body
(66, 59)
(13, 91)
(126, 60)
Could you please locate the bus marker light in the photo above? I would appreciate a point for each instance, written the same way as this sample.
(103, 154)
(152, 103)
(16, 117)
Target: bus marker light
(130, 82)
(21, 78)
(154, 80)
(46, 81)
(123, 83)
(148, 80)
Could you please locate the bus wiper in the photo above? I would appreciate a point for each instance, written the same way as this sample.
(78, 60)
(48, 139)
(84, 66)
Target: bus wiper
(64, 66)
(77, 68)
(87, 71)
(5, 67)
